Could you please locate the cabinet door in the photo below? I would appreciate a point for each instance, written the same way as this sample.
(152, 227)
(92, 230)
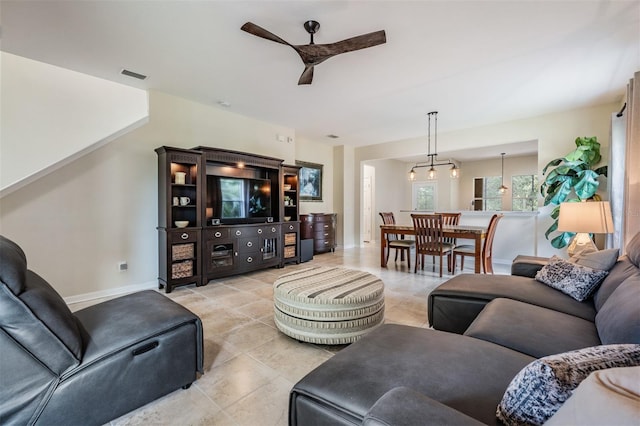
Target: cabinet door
(270, 237)
(220, 249)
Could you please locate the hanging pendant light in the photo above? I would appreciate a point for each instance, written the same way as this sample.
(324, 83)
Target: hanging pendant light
(432, 158)
(502, 188)
(454, 172)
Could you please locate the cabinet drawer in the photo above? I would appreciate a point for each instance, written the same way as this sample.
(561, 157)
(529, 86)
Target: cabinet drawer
(324, 218)
(322, 245)
(254, 231)
(246, 245)
(216, 234)
(248, 259)
(322, 226)
(322, 235)
(290, 227)
(183, 236)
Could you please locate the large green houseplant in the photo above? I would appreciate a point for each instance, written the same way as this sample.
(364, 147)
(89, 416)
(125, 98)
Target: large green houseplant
(572, 178)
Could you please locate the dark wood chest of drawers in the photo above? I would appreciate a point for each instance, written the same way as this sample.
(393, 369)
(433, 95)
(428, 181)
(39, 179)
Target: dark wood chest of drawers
(321, 227)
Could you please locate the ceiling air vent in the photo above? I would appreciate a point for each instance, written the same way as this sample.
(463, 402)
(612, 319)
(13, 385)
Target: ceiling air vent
(133, 74)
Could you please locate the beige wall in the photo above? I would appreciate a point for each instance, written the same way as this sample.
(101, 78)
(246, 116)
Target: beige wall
(51, 115)
(77, 223)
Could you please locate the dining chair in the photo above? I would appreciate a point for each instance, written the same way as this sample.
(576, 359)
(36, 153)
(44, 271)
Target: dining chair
(486, 257)
(393, 242)
(450, 219)
(430, 241)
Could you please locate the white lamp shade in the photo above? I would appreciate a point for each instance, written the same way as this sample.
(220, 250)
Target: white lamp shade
(592, 217)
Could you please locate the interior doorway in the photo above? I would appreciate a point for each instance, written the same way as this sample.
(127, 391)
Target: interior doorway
(368, 220)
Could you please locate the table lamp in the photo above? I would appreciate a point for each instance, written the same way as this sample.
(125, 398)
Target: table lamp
(584, 218)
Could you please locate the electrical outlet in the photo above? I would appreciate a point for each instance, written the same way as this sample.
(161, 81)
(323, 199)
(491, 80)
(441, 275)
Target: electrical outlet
(123, 266)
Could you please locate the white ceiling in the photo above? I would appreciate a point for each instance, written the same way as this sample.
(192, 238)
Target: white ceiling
(476, 62)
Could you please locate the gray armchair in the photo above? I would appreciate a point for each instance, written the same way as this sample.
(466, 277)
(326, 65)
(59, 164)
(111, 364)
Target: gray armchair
(57, 367)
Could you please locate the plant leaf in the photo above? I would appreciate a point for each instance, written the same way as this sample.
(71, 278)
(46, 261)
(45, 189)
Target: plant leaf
(587, 184)
(562, 240)
(602, 170)
(552, 163)
(551, 229)
(561, 193)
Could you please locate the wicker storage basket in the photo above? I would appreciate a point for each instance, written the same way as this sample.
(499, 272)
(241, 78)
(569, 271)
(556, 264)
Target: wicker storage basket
(182, 269)
(290, 251)
(182, 251)
(290, 238)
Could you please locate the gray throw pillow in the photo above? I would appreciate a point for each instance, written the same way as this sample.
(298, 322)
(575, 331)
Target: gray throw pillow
(540, 388)
(572, 279)
(633, 250)
(603, 259)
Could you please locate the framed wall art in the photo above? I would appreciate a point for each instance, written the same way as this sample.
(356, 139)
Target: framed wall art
(310, 179)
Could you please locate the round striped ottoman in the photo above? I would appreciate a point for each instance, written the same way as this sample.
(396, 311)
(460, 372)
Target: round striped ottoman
(331, 306)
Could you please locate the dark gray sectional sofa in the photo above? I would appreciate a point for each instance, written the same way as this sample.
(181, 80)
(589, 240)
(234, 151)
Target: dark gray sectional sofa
(486, 329)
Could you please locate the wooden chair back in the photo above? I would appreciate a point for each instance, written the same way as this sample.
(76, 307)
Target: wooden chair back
(428, 230)
(389, 219)
(487, 248)
(450, 219)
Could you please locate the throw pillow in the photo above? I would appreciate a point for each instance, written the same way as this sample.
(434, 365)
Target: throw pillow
(603, 259)
(572, 279)
(606, 397)
(540, 388)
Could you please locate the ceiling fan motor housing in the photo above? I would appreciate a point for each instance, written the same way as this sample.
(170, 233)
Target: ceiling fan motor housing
(312, 27)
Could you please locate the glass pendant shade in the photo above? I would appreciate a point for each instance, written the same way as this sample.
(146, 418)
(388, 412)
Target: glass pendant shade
(432, 173)
(454, 172)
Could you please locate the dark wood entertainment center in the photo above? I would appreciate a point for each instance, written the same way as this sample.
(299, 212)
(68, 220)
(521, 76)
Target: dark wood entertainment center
(204, 233)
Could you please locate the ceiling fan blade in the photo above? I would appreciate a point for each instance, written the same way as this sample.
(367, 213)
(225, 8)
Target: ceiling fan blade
(314, 54)
(357, 43)
(256, 30)
(307, 75)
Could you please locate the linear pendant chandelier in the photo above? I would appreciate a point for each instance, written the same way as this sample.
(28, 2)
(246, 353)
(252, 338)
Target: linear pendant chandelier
(432, 158)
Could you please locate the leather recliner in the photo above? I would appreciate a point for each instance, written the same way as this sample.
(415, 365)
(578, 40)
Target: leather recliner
(57, 367)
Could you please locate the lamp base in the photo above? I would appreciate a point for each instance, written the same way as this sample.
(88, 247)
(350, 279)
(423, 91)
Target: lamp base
(581, 243)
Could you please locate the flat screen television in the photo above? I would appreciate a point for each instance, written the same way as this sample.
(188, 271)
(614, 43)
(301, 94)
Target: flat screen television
(235, 200)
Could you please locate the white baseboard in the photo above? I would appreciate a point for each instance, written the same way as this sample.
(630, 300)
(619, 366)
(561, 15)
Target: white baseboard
(112, 292)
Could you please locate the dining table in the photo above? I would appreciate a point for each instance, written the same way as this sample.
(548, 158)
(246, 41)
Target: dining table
(476, 233)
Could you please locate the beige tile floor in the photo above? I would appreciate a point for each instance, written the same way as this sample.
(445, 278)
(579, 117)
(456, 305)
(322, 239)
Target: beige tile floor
(250, 366)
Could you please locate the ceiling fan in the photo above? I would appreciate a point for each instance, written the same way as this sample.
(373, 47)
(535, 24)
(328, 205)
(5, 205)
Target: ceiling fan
(313, 54)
